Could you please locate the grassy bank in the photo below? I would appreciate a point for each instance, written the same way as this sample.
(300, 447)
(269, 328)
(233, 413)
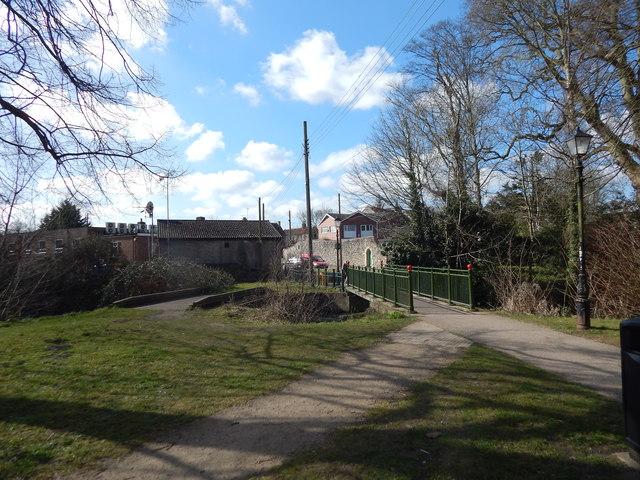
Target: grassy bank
(76, 388)
(605, 330)
(486, 416)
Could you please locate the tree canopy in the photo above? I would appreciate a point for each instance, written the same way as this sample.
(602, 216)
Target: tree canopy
(64, 215)
(70, 93)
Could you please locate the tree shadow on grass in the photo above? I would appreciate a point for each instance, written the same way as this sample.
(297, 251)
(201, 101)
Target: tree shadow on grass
(125, 427)
(488, 416)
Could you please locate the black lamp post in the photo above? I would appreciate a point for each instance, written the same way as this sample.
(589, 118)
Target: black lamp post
(578, 147)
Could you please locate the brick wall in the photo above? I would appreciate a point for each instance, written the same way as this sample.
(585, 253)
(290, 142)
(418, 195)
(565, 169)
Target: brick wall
(222, 252)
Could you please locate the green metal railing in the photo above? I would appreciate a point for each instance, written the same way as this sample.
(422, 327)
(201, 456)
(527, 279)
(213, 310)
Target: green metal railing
(321, 277)
(389, 284)
(398, 284)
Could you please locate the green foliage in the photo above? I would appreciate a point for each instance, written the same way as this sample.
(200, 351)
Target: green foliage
(65, 215)
(162, 275)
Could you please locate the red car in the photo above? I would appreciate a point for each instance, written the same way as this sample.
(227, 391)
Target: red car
(318, 261)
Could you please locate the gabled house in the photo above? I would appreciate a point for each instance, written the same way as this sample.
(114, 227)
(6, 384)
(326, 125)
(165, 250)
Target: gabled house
(248, 244)
(389, 222)
(347, 226)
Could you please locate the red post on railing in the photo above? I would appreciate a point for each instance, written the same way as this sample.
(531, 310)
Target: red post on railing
(411, 310)
(470, 282)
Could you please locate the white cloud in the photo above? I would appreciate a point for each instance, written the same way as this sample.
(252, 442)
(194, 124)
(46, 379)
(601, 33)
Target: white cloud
(264, 157)
(210, 186)
(316, 70)
(339, 160)
(327, 182)
(183, 132)
(200, 90)
(248, 92)
(229, 15)
(215, 193)
(204, 146)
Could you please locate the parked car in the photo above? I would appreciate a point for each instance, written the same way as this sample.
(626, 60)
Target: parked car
(302, 261)
(318, 261)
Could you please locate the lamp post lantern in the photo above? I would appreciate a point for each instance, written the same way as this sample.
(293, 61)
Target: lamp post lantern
(578, 147)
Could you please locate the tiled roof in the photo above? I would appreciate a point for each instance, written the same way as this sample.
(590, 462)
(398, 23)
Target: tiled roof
(216, 229)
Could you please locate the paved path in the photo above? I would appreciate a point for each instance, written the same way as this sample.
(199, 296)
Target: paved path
(261, 434)
(592, 364)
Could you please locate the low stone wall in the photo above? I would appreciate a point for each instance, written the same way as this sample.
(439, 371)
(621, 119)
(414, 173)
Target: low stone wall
(151, 298)
(354, 250)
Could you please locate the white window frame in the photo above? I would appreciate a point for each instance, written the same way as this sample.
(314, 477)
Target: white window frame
(366, 230)
(350, 231)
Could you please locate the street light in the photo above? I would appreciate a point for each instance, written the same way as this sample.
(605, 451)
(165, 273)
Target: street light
(578, 147)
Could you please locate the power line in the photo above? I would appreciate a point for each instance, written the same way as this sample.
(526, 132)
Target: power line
(363, 83)
(368, 77)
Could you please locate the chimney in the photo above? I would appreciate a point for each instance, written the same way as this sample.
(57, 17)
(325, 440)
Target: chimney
(199, 218)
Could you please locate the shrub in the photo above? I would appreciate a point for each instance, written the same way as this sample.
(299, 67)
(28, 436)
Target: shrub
(33, 285)
(515, 295)
(297, 307)
(614, 266)
(162, 275)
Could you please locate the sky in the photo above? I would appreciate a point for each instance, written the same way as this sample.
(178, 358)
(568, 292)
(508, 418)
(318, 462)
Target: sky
(239, 78)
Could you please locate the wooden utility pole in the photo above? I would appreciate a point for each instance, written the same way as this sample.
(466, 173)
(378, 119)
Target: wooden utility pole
(306, 179)
(339, 233)
(260, 231)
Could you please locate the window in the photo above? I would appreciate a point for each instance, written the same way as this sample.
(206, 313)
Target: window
(332, 229)
(116, 249)
(42, 246)
(349, 231)
(59, 244)
(324, 230)
(366, 230)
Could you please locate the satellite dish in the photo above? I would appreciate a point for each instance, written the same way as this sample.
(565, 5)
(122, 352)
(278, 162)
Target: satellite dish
(149, 208)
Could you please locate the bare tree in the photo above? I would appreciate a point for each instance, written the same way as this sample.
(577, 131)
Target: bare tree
(572, 61)
(69, 92)
(459, 111)
(317, 214)
(393, 173)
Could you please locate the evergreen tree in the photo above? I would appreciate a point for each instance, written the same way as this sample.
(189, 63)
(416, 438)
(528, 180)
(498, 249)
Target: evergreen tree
(65, 215)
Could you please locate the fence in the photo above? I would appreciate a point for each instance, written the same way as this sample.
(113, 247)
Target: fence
(398, 284)
(321, 277)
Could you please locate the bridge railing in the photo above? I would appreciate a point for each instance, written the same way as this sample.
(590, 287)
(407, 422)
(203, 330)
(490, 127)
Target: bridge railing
(398, 284)
(389, 284)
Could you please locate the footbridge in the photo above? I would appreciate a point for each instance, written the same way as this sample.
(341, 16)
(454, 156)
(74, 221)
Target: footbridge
(399, 284)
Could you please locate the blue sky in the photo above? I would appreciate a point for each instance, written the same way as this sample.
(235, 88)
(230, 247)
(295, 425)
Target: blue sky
(240, 77)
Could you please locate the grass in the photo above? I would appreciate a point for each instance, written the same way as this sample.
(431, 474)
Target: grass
(604, 330)
(79, 387)
(486, 416)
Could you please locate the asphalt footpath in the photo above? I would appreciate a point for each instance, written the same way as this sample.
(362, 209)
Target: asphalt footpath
(256, 436)
(579, 360)
(586, 362)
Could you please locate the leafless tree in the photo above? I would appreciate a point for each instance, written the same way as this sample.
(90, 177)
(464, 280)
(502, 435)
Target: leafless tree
(393, 172)
(69, 93)
(459, 111)
(571, 61)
